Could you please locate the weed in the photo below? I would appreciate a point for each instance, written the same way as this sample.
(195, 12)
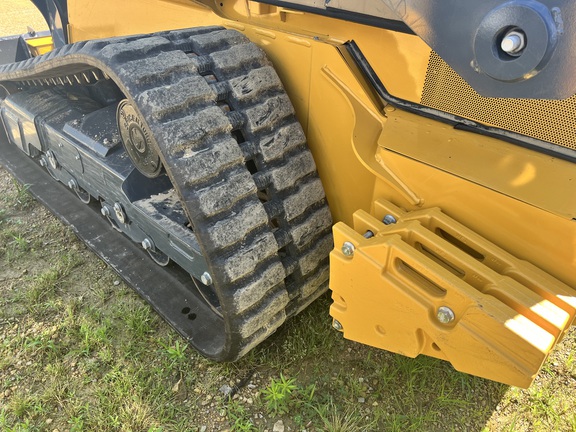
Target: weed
(572, 420)
(92, 337)
(570, 360)
(43, 285)
(239, 418)
(334, 420)
(76, 423)
(277, 394)
(23, 199)
(20, 242)
(4, 418)
(139, 320)
(26, 405)
(39, 345)
(176, 353)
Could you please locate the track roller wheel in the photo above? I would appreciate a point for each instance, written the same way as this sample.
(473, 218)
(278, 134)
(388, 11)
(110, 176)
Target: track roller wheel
(157, 256)
(82, 195)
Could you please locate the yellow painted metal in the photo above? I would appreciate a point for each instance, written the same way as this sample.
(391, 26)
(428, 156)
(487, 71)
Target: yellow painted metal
(519, 200)
(40, 45)
(536, 178)
(410, 277)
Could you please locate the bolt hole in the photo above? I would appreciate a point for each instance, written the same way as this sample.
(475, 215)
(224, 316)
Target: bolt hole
(186, 310)
(435, 347)
(192, 316)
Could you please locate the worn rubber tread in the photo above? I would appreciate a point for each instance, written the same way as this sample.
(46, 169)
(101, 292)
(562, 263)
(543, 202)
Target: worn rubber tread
(161, 75)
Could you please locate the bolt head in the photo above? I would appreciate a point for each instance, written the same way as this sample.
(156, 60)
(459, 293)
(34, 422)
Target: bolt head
(206, 278)
(513, 42)
(52, 159)
(119, 212)
(72, 184)
(147, 244)
(337, 325)
(348, 249)
(105, 211)
(389, 219)
(445, 315)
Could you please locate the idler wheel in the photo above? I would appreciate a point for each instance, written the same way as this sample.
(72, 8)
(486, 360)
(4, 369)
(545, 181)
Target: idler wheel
(137, 140)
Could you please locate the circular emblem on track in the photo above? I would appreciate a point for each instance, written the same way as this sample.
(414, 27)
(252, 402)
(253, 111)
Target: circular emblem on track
(137, 140)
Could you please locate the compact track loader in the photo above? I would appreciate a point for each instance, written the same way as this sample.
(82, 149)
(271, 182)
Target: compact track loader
(232, 159)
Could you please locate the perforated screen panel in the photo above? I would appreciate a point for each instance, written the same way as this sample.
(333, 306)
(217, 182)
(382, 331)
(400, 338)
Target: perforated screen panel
(553, 121)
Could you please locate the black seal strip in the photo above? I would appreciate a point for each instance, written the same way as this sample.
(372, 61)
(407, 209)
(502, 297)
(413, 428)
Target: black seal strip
(388, 24)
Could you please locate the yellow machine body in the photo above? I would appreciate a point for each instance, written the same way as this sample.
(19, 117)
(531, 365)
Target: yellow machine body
(486, 228)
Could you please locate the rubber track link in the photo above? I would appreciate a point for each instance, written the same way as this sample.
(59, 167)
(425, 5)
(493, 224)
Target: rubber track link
(244, 174)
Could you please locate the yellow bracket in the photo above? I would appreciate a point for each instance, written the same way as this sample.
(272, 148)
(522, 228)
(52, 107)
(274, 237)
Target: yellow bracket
(40, 45)
(426, 284)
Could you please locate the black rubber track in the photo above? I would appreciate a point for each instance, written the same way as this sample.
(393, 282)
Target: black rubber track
(237, 157)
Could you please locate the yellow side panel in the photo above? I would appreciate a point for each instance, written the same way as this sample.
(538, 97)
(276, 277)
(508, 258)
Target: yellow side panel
(107, 18)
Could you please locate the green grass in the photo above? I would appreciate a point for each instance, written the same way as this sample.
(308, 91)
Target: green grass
(81, 353)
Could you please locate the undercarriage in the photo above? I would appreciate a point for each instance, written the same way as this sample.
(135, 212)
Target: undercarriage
(185, 143)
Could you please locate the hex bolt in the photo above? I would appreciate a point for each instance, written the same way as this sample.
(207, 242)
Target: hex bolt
(206, 278)
(513, 42)
(147, 244)
(445, 315)
(336, 325)
(43, 162)
(119, 212)
(368, 234)
(72, 184)
(105, 211)
(52, 159)
(348, 249)
(389, 219)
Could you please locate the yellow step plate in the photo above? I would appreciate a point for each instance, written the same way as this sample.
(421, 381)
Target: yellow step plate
(425, 284)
